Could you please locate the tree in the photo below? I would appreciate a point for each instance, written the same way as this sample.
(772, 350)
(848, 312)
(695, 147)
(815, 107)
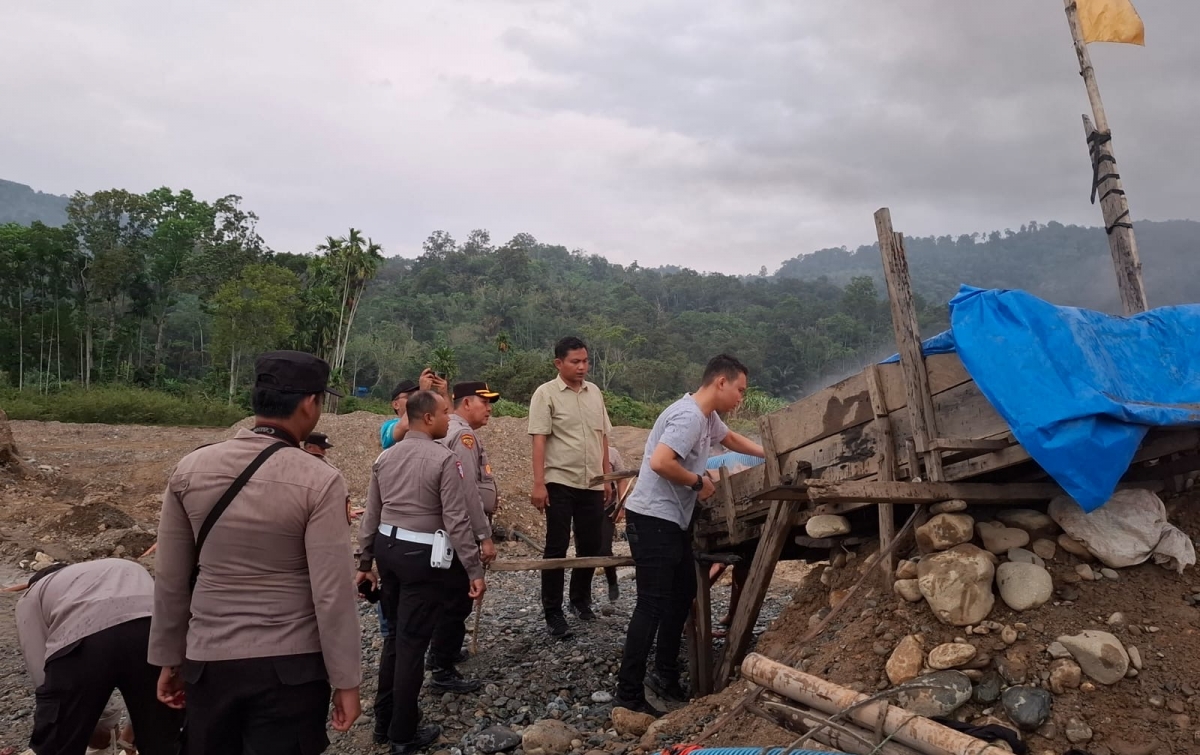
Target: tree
(352, 262)
(502, 345)
(254, 312)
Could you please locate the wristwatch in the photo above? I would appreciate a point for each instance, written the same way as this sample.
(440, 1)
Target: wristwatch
(699, 483)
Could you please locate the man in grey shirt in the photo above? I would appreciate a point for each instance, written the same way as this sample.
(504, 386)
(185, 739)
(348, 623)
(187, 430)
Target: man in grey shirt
(658, 526)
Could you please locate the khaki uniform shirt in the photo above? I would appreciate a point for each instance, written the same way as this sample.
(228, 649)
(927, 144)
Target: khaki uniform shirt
(575, 423)
(468, 447)
(419, 484)
(77, 601)
(275, 574)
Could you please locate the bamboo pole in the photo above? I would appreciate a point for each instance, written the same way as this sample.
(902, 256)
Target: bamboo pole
(1114, 204)
(909, 729)
(845, 737)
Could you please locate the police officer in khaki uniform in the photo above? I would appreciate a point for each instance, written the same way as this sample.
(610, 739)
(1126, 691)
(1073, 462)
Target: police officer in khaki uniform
(472, 410)
(418, 500)
(254, 626)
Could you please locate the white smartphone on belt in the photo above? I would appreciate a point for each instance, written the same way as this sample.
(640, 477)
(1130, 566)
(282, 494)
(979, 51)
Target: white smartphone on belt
(442, 554)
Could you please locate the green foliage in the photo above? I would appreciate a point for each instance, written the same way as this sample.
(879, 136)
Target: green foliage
(374, 405)
(623, 410)
(117, 405)
(506, 408)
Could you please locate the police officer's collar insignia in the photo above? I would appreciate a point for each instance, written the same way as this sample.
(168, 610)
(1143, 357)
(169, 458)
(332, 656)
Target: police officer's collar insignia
(460, 469)
(468, 440)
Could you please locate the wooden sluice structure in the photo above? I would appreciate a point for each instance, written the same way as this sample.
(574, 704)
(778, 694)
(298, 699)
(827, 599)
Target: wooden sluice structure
(909, 433)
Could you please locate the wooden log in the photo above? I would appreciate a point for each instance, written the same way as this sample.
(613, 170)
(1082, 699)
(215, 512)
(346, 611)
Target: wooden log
(909, 729)
(803, 721)
(540, 564)
(766, 556)
(612, 477)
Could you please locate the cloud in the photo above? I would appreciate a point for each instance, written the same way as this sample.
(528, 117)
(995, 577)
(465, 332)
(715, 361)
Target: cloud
(723, 135)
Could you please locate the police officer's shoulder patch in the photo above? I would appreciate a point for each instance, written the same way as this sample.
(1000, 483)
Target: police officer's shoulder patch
(468, 440)
(460, 469)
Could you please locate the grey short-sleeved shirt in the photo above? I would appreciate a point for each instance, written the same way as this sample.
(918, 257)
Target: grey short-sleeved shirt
(685, 430)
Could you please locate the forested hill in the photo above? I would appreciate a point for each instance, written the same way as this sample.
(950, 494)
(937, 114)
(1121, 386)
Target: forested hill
(1063, 264)
(21, 204)
(172, 291)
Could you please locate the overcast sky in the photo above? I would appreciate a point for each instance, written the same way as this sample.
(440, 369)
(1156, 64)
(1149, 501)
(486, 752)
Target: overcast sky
(718, 135)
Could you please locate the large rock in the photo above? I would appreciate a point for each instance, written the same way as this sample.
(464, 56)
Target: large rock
(908, 589)
(998, 539)
(941, 693)
(1099, 654)
(497, 739)
(1023, 556)
(629, 723)
(1027, 707)
(1035, 523)
(945, 531)
(827, 525)
(951, 655)
(1065, 674)
(906, 660)
(957, 584)
(987, 689)
(1075, 547)
(906, 569)
(1044, 548)
(552, 737)
(1024, 586)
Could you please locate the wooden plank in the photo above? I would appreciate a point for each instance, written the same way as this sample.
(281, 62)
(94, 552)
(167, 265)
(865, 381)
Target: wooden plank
(771, 465)
(908, 338)
(726, 491)
(848, 403)
(887, 469)
(766, 556)
(968, 444)
(539, 564)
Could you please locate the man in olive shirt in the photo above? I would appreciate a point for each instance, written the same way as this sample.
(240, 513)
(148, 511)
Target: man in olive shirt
(417, 497)
(570, 426)
(271, 623)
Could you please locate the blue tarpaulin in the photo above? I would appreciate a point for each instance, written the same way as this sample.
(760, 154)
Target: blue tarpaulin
(1078, 388)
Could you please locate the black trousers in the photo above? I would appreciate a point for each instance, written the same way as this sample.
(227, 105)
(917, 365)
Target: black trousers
(608, 532)
(264, 706)
(79, 680)
(584, 509)
(666, 586)
(414, 599)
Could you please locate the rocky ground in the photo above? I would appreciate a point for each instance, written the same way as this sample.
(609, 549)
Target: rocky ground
(1014, 624)
(97, 495)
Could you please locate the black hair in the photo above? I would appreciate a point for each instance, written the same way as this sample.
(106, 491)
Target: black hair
(273, 404)
(567, 345)
(723, 365)
(420, 404)
(46, 572)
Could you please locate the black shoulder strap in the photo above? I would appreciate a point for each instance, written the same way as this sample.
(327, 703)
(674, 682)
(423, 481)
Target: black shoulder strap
(227, 498)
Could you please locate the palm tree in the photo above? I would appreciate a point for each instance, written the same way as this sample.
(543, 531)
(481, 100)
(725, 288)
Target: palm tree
(502, 345)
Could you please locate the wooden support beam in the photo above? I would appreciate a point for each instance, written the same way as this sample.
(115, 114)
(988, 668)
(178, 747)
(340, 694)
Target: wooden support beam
(766, 556)
(700, 636)
(887, 469)
(541, 564)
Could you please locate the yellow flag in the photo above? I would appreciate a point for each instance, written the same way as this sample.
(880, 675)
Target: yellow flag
(1110, 21)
